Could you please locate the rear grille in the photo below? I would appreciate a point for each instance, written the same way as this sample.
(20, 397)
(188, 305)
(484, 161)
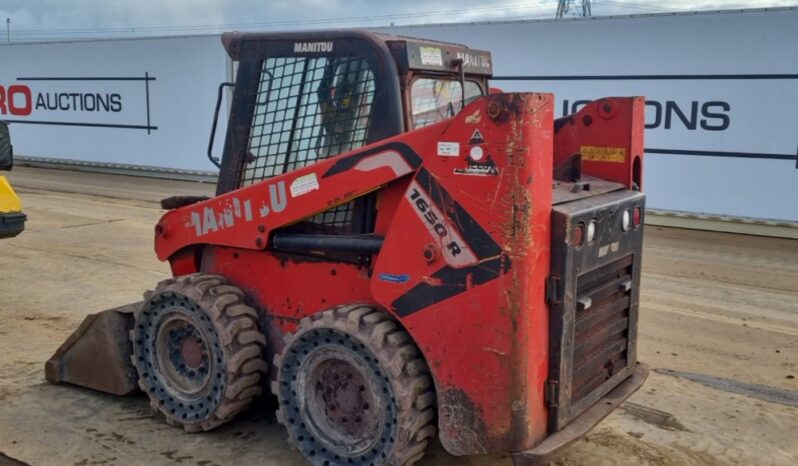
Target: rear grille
(601, 328)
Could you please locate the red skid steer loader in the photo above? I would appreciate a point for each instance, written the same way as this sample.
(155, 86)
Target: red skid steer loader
(397, 252)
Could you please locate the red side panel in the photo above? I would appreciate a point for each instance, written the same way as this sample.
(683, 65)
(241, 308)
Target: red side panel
(289, 287)
(600, 132)
(465, 207)
(464, 267)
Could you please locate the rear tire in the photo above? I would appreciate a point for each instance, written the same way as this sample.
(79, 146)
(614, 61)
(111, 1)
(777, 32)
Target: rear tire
(354, 389)
(197, 351)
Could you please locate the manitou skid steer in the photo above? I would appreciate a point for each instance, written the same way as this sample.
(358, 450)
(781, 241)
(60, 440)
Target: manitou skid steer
(398, 252)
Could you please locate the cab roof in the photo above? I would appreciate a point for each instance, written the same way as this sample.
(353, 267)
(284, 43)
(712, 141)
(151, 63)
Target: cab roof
(410, 53)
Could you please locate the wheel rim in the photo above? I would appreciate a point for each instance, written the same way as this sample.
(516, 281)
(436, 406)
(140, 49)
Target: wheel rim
(179, 357)
(183, 355)
(308, 388)
(340, 400)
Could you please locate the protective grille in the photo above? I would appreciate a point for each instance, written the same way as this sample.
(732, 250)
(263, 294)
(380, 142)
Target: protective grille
(306, 110)
(601, 326)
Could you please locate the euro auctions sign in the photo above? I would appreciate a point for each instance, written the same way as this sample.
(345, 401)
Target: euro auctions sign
(89, 101)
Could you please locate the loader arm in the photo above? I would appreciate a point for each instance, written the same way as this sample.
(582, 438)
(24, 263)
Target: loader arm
(246, 217)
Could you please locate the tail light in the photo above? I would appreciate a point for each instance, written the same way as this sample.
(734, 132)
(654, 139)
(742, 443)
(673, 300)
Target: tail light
(578, 235)
(637, 216)
(626, 220)
(592, 228)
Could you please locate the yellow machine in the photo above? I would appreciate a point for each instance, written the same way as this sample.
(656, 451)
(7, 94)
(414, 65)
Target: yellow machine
(12, 220)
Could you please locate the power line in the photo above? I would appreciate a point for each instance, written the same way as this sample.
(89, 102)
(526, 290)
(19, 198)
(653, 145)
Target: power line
(524, 12)
(633, 5)
(270, 24)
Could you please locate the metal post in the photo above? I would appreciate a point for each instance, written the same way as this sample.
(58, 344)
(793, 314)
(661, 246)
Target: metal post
(8, 30)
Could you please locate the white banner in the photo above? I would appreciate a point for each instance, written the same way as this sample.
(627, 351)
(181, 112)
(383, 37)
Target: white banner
(721, 90)
(142, 102)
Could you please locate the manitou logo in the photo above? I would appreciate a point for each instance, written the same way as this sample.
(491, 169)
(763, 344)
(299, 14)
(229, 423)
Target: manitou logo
(312, 47)
(16, 100)
(214, 218)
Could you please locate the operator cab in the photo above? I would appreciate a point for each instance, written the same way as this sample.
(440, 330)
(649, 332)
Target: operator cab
(303, 97)
(438, 78)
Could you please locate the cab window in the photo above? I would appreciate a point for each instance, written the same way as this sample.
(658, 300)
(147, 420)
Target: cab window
(436, 99)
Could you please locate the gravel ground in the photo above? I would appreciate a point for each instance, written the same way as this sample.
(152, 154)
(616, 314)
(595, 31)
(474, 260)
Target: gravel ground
(715, 307)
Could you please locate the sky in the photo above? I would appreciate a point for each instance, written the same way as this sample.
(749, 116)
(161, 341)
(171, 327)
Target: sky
(70, 19)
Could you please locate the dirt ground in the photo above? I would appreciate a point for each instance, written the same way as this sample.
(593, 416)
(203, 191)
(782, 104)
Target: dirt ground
(718, 326)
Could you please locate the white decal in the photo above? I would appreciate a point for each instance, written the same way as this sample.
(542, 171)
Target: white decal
(197, 223)
(277, 196)
(248, 210)
(449, 149)
(312, 47)
(477, 138)
(210, 219)
(478, 170)
(612, 247)
(474, 60)
(453, 247)
(431, 56)
(479, 164)
(304, 184)
(388, 158)
(474, 118)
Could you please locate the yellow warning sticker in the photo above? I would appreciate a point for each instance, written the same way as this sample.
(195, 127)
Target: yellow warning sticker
(603, 154)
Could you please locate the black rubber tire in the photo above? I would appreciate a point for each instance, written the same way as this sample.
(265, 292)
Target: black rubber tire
(226, 331)
(395, 373)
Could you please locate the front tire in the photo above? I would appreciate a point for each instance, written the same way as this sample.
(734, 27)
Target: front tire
(197, 351)
(354, 389)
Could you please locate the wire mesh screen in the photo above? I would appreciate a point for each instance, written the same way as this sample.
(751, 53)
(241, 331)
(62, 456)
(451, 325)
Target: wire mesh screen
(309, 109)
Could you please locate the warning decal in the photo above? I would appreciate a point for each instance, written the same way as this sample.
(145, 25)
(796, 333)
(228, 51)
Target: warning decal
(476, 138)
(304, 184)
(603, 154)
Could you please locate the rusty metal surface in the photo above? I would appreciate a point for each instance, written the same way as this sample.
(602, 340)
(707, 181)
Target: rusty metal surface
(585, 422)
(97, 354)
(587, 186)
(594, 302)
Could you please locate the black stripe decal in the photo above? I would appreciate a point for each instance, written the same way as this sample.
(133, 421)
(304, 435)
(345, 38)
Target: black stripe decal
(454, 281)
(478, 239)
(114, 78)
(347, 163)
(717, 153)
(89, 125)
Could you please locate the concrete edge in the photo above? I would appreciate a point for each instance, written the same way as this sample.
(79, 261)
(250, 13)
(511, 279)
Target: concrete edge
(117, 169)
(655, 217)
(726, 224)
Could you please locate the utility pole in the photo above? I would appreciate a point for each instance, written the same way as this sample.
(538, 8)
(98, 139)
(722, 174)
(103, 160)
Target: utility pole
(8, 31)
(574, 6)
